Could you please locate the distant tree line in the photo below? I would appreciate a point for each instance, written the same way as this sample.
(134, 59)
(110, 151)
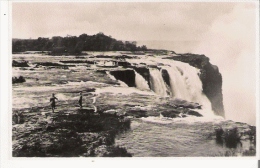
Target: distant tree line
(75, 45)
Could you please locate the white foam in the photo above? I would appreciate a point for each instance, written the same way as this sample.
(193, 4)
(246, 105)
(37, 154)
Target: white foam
(157, 82)
(189, 119)
(140, 82)
(122, 90)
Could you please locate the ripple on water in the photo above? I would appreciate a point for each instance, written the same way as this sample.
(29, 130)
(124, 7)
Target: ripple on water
(171, 139)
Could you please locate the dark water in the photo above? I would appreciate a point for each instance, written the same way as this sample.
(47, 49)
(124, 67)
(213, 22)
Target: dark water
(172, 139)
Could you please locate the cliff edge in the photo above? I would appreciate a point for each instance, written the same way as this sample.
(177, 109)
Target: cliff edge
(210, 76)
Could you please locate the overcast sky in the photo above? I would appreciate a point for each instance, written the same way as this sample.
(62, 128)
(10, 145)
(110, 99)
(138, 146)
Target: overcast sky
(168, 22)
(225, 32)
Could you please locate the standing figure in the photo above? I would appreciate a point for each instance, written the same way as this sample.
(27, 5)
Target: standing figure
(52, 100)
(80, 100)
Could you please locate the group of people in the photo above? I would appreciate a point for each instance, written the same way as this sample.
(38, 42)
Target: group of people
(53, 102)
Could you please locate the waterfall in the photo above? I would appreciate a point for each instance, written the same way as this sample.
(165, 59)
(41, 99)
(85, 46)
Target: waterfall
(186, 84)
(157, 83)
(140, 82)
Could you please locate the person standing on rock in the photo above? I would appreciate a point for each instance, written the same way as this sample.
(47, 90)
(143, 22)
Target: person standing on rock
(80, 100)
(52, 100)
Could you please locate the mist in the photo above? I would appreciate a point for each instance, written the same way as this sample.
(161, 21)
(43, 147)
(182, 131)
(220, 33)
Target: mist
(231, 45)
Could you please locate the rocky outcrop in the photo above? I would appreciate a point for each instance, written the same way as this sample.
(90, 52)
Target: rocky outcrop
(166, 77)
(77, 61)
(170, 114)
(179, 113)
(20, 63)
(231, 133)
(68, 135)
(20, 79)
(210, 77)
(48, 64)
(124, 64)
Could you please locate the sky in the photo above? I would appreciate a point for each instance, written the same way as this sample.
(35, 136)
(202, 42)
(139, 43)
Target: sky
(224, 31)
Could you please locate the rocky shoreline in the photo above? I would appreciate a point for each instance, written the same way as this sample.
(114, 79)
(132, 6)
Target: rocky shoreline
(84, 133)
(75, 134)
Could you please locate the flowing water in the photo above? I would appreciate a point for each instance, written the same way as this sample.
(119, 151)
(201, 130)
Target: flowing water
(154, 137)
(150, 136)
(157, 83)
(140, 82)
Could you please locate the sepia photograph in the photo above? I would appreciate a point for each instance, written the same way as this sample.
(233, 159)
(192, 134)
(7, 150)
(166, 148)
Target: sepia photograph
(134, 79)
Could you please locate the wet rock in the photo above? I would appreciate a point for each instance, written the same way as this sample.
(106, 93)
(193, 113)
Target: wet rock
(138, 113)
(170, 114)
(230, 136)
(111, 151)
(101, 71)
(86, 111)
(166, 77)
(20, 79)
(186, 104)
(127, 76)
(73, 135)
(154, 66)
(194, 113)
(252, 134)
(78, 61)
(219, 133)
(20, 63)
(23, 68)
(18, 118)
(123, 64)
(48, 64)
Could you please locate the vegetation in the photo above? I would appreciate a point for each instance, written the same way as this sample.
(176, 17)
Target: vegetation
(75, 45)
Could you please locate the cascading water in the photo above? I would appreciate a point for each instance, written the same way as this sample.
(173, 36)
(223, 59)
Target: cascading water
(140, 82)
(185, 84)
(157, 83)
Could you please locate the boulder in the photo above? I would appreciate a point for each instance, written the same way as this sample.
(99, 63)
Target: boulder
(170, 114)
(20, 63)
(20, 79)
